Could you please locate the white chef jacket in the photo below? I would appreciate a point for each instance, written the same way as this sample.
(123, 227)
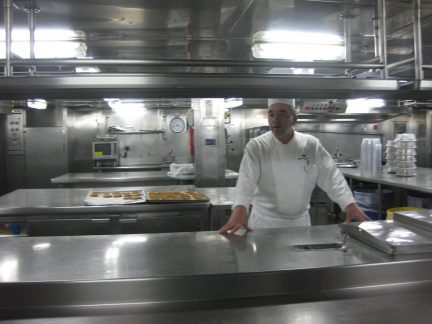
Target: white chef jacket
(278, 180)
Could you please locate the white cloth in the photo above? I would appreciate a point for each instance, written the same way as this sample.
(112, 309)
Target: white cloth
(278, 180)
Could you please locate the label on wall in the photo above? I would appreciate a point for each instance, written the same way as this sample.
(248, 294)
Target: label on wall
(210, 141)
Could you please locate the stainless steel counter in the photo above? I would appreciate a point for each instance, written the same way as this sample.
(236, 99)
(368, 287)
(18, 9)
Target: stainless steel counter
(71, 200)
(204, 273)
(142, 167)
(421, 182)
(133, 177)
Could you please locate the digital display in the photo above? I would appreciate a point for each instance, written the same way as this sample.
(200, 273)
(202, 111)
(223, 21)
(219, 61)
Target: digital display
(103, 148)
(210, 141)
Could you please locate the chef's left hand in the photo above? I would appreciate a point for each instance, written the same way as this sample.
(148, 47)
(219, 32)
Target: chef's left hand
(355, 214)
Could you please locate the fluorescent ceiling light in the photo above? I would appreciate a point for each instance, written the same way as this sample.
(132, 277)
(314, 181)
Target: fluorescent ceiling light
(127, 108)
(296, 37)
(233, 102)
(298, 46)
(86, 69)
(49, 43)
(344, 119)
(37, 103)
(291, 71)
(363, 105)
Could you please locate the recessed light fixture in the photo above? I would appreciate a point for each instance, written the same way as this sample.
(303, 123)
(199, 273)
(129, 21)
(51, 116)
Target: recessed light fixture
(49, 43)
(37, 103)
(363, 105)
(297, 45)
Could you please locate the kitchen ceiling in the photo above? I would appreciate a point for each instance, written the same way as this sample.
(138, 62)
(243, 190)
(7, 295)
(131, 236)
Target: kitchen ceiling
(220, 30)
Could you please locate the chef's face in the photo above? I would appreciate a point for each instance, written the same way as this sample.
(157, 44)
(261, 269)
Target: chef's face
(281, 119)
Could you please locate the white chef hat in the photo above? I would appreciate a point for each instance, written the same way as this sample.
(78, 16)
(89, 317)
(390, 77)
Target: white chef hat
(289, 102)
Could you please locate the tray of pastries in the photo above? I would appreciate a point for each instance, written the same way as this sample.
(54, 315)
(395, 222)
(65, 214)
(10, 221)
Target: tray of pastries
(175, 196)
(100, 198)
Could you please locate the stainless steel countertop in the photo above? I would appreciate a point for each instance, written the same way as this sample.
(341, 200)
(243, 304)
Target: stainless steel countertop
(395, 309)
(71, 200)
(177, 277)
(131, 176)
(105, 257)
(421, 182)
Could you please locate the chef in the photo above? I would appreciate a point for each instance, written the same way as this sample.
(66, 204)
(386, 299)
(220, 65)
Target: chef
(278, 173)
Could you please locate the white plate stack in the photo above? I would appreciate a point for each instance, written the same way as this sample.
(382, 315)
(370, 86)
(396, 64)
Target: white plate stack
(406, 152)
(390, 157)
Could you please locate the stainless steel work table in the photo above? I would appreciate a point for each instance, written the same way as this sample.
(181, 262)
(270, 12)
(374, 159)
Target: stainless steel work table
(139, 178)
(64, 205)
(421, 182)
(181, 277)
(71, 200)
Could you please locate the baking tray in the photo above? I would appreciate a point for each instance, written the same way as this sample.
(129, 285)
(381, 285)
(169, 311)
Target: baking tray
(114, 197)
(175, 196)
(390, 237)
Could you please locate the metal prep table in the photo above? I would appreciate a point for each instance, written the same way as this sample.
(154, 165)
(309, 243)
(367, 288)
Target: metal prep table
(138, 178)
(422, 182)
(67, 205)
(263, 277)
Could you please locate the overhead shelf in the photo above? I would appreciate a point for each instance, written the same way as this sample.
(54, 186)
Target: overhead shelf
(188, 85)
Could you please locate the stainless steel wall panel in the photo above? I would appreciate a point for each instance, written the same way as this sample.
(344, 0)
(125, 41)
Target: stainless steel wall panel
(133, 149)
(3, 186)
(16, 166)
(210, 142)
(46, 155)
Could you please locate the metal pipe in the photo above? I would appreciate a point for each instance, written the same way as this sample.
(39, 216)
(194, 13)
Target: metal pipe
(382, 33)
(400, 63)
(418, 55)
(375, 21)
(428, 67)
(211, 63)
(347, 37)
(243, 13)
(8, 32)
(31, 24)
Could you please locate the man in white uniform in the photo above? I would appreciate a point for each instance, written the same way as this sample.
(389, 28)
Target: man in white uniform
(278, 173)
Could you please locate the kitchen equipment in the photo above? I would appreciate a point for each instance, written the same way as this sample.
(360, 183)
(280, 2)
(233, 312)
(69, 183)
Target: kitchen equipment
(105, 152)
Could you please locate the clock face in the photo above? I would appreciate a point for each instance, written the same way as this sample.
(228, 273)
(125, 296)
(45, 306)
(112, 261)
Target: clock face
(177, 125)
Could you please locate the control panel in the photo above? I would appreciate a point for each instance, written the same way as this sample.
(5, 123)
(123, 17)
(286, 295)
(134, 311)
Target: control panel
(323, 106)
(14, 133)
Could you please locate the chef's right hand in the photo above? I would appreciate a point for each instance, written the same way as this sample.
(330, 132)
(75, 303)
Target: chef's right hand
(238, 220)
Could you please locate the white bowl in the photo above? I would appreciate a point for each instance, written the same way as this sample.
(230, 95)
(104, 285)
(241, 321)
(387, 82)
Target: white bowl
(406, 137)
(405, 158)
(406, 172)
(406, 144)
(406, 165)
(406, 151)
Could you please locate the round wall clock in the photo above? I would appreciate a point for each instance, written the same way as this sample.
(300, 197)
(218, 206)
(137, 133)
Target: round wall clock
(177, 125)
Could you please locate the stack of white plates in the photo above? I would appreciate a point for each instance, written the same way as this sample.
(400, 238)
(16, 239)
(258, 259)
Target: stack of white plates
(406, 152)
(390, 157)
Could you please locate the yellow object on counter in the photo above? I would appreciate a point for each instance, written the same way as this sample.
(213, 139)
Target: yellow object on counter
(391, 211)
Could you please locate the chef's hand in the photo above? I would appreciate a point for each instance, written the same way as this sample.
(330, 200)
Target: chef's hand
(238, 220)
(355, 214)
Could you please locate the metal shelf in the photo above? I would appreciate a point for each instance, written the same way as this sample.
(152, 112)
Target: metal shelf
(141, 132)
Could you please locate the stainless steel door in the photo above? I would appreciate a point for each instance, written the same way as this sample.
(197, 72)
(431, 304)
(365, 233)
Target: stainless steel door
(46, 155)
